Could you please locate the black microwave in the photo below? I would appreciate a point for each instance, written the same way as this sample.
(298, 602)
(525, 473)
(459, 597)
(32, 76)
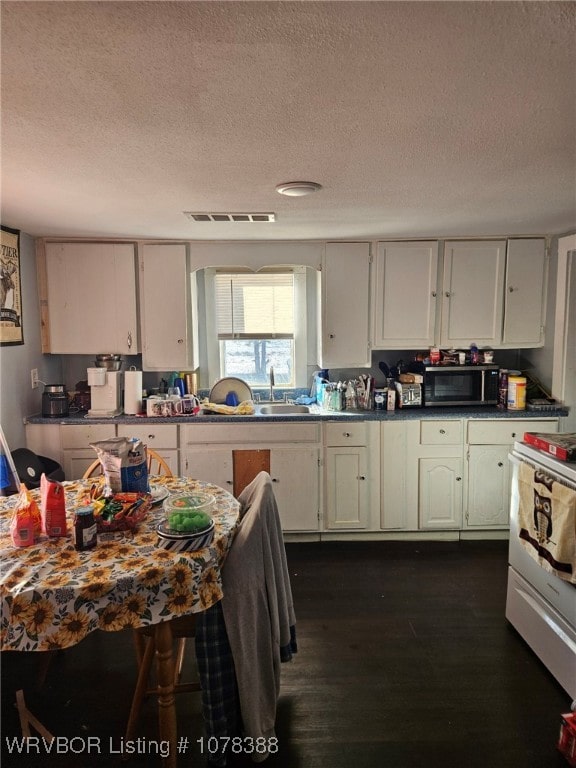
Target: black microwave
(461, 385)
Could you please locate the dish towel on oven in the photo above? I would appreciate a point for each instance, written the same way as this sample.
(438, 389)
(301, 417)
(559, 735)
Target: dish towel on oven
(253, 627)
(547, 521)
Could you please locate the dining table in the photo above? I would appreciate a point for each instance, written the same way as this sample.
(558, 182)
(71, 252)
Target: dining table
(53, 596)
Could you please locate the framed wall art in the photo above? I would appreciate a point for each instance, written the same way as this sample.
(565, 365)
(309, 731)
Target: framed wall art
(11, 330)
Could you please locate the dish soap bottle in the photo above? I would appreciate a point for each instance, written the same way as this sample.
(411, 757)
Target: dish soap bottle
(474, 354)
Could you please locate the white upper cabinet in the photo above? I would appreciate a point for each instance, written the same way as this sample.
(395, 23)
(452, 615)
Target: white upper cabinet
(344, 341)
(90, 301)
(404, 295)
(472, 293)
(524, 292)
(167, 299)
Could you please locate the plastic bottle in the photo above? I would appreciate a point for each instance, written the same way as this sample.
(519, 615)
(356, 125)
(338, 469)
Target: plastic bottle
(474, 354)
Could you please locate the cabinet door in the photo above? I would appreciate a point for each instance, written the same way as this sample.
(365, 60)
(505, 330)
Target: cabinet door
(91, 294)
(524, 293)
(440, 490)
(404, 295)
(213, 465)
(473, 293)
(346, 488)
(399, 475)
(167, 297)
(345, 281)
(76, 462)
(488, 486)
(295, 472)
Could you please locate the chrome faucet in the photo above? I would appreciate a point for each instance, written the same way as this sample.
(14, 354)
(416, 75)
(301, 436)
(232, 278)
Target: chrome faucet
(271, 384)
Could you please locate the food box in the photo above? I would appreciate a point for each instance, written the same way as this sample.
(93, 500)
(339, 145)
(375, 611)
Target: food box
(562, 445)
(567, 740)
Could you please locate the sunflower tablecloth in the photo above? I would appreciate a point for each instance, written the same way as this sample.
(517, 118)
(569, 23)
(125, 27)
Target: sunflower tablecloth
(53, 596)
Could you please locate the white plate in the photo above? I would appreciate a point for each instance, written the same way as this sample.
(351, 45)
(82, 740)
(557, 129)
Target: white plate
(159, 493)
(223, 386)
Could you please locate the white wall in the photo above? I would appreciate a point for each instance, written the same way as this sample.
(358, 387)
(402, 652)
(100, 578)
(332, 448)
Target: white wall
(17, 398)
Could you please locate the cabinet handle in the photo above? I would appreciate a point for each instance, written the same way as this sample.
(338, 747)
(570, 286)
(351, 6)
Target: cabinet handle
(511, 289)
(500, 463)
(362, 477)
(229, 482)
(151, 437)
(447, 294)
(434, 294)
(129, 340)
(275, 480)
(331, 336)
(180, 341)
(442, 431)
(513, 434)
(347, 434)
(458, 479)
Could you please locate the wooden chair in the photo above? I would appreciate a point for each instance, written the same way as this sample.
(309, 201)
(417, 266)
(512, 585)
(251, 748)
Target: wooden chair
(156, 466)
(182, 628)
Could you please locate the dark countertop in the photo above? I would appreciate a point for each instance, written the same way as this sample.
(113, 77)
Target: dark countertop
(316, 414)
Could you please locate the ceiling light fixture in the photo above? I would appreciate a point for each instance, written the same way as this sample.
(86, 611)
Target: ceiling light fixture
(298, 188)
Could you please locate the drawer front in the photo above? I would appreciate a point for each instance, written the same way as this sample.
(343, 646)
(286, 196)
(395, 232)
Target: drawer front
(441, 432)
(81, 435)
(505, 432)
(193, 434)
(339, 433)
(154, 435)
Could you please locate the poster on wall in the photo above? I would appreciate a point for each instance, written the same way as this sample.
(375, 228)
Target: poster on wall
(11, 330)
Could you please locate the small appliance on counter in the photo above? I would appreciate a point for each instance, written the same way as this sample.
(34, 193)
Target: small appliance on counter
(409, 395)
(55, 401)
(105, 393)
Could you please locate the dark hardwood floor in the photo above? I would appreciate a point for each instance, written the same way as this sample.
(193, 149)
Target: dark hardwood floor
(405, 661)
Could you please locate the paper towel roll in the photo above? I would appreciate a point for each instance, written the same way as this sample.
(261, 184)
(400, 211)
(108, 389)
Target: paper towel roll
(132, 392)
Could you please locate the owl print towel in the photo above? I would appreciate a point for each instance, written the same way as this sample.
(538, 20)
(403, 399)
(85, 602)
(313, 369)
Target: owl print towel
(547, 522)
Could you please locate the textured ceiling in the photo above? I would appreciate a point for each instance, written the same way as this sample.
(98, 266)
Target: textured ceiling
(418, 118)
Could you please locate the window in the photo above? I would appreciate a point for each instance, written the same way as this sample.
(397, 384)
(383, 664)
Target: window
(257, 324)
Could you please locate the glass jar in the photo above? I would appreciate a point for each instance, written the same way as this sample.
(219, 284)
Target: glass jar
(85, 533)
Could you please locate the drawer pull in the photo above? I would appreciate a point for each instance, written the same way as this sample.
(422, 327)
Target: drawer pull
(362, 477)
(151, 437)
(442, 431)
(500, 463)
(275, 480)
(229, 482)
(513, 434)
(347, 434)
(458, 479)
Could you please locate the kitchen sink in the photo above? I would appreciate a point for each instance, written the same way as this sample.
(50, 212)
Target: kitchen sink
(282, 409)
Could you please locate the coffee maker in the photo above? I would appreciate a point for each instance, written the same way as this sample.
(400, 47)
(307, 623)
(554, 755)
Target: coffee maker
(105, 393)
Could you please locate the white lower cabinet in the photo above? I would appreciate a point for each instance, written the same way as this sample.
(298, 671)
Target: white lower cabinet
(488, 472)
(488, 486)
(294, 463)
(449, 474)
(440, 493)
(351, 474)
(346, 487)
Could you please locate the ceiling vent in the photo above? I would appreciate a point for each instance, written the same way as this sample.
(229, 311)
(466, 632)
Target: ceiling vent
(251, 218)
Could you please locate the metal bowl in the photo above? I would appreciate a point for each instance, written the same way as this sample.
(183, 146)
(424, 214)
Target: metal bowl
(110, 365)
(108, 357)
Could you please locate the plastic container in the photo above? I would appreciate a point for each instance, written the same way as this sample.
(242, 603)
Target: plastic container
(516, 400)
(188, 513)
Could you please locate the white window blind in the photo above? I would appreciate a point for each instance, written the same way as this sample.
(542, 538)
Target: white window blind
(254, 305)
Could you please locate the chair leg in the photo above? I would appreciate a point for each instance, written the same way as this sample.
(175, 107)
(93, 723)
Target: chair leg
(139, 643)
(141, 686)
(179, 660)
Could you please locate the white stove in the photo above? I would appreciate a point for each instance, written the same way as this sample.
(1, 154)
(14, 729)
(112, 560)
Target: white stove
(540, 605)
